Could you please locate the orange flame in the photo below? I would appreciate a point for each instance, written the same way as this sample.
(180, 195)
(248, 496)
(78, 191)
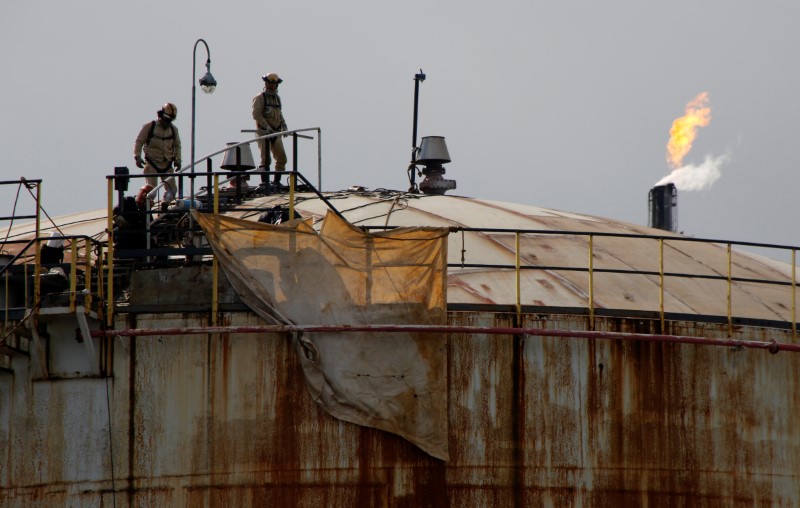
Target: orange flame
(684, 129)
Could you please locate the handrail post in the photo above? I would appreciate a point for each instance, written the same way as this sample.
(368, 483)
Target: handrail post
(661, 282)
(292, 183)
(517, 271)
(294, 151)
(87, 285)
(730, 314)
(101, 283)
(591, 282)
(110, 276)
(215, 264)
(73, 274)
(37, 283)
(25, 278)
(794, 296)
(319, 159)
(6, 274)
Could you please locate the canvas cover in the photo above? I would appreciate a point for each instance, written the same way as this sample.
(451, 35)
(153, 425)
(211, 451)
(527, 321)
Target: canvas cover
(291, 274)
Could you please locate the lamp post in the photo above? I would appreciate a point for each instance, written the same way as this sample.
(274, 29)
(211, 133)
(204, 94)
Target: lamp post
(207, 84)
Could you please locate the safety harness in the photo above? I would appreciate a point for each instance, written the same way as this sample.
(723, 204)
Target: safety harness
(150, 135)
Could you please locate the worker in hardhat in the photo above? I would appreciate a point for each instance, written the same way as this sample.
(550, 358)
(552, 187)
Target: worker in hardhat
(162, 149)
(268, 114)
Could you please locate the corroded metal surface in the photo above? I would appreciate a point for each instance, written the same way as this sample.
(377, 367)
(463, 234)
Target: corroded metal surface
(225, 420)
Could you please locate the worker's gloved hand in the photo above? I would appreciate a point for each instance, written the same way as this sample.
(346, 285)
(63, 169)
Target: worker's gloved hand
(139, 161)
(178, 165)
(266, 128)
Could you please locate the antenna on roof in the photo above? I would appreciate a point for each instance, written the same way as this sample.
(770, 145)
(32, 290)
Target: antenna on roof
(412, 168)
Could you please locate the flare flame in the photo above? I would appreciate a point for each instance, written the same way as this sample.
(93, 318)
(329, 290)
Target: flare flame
(684, 129)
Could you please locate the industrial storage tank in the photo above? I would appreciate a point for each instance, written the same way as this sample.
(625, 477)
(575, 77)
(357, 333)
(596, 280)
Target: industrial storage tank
(589, 362)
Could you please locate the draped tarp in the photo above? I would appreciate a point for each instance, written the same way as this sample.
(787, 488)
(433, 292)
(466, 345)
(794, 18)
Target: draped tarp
(344, 276)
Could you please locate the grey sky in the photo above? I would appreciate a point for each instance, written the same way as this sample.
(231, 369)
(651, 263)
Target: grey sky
(564, 105)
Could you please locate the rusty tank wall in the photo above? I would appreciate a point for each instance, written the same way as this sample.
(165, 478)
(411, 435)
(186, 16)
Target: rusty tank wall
(225, 420)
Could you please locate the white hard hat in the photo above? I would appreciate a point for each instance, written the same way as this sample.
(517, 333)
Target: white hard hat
(170, 110)
(272, 77)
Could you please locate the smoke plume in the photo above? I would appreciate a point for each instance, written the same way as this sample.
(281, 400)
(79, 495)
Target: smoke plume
(696, 177)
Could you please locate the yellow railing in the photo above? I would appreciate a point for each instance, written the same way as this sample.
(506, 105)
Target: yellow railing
(591, 269)
(23, 257)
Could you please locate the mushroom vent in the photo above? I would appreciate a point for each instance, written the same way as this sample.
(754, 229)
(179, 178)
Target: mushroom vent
(432, 153)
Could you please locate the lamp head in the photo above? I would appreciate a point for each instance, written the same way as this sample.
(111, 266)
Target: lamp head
(207, 83)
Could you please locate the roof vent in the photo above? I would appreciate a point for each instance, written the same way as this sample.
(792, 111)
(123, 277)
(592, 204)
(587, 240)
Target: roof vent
(432, 154)
(239, 158)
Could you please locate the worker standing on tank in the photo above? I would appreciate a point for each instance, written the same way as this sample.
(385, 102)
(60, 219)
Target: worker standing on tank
(268, 114)
(162, 149)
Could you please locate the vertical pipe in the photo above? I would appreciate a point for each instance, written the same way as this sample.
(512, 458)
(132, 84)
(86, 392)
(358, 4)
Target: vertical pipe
(37, 283)
(73, 274)
(215, 265)
(661, 281)
(25, 276)
(294, 151)
(87, 300)
(730, 318)
(147, 219)
(216, 194)
(794, 296)
(209, 190)
(416, 116)
(519, 298)
(110, 276)
(292, 181)
(591, 282)
(5, 316)
(417, 79)
(319, 159)
(100, 282)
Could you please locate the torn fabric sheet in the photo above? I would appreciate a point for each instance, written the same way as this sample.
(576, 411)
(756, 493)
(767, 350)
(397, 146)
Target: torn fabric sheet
(342, 275)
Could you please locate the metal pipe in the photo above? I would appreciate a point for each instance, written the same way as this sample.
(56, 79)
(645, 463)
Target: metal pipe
(110, 236)
(794, 295)
(5, 316)
(153, 193)
(73, 274)
(661, 281)
(418, 78)
(319, 160)
(517, 273)
(87, 285)
(215, 265)
(591, 282)
(101, 283)
(772, 346)
(210, 191)
(292, 183)
(37, 283)
(730, 311)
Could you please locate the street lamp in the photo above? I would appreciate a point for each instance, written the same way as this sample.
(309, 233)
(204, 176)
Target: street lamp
(208, 84)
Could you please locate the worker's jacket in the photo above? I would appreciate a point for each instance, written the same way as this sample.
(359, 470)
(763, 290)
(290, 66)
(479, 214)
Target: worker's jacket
(162, 145)
(267, 112)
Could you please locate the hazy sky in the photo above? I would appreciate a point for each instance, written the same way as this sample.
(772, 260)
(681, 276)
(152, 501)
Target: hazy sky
(565, 105)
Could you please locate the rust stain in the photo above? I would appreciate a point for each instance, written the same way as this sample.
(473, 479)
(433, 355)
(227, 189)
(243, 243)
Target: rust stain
(227, 421)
